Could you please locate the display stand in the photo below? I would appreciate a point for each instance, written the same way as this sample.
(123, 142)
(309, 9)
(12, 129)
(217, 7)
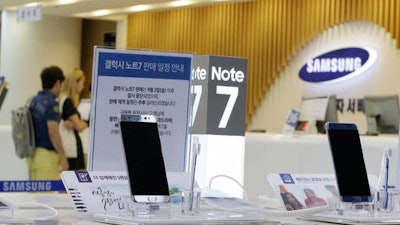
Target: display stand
(148, 210)
(354, 208)
(218, 118)
(6, 211)
(105, 196)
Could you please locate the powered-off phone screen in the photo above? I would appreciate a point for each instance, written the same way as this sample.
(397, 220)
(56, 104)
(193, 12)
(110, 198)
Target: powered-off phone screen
(144, 158)
(349, 164)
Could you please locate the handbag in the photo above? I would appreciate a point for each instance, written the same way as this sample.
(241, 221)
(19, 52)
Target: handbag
(67, 136)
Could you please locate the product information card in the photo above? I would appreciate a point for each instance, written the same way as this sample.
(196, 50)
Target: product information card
(300, 191)
(108, 191)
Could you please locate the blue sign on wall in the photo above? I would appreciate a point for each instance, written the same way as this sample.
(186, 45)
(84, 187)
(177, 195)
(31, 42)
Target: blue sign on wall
(338, 65)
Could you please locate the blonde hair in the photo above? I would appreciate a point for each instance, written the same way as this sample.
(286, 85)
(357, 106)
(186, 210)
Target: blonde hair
(68, 87)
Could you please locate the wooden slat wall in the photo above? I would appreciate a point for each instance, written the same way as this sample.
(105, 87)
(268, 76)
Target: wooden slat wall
(267, 32)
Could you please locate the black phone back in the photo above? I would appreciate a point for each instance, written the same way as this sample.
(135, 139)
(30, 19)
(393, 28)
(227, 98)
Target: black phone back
(348, 160)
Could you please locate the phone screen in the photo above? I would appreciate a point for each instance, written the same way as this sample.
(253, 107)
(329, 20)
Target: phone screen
(348, 160)
(144, 158)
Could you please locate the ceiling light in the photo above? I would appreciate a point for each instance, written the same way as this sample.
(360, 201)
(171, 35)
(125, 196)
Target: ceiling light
(139, 8)
(180, 3)
(66, 2)
(32, 4)
(101, 12)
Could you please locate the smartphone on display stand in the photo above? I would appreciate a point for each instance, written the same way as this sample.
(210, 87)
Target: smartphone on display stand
(348, 160)
(144, 159)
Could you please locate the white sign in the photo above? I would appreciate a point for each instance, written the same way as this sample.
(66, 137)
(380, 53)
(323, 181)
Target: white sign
(314, 108)
(29, 14)
(295, 190)
(132, 82)
(107, 191)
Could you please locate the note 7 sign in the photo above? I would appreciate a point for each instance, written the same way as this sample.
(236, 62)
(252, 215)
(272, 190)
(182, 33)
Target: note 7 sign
(218, 94)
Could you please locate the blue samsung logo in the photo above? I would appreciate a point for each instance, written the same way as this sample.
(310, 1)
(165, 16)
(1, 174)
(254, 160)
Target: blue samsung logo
(338, 65)
(31, 185)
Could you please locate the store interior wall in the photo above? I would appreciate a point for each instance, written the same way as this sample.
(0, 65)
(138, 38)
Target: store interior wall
(381, 79)
(26, 48)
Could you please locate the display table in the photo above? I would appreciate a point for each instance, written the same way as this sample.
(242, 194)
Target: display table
(31, 206)
(304, 153)
(66, 215)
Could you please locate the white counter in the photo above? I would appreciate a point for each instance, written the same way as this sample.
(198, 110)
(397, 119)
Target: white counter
(303, 153)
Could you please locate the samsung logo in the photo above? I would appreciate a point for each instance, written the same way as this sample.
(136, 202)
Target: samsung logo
(333, 65)
(31, 185)
(338, 65)
(22, 186)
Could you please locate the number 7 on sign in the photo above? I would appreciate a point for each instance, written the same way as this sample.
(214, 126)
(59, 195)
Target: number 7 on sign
(233, 93)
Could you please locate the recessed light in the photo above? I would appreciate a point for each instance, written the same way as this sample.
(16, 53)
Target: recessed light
(66, 2)
(138, 8)
(101, 12)
(180, 3)
(32, 4)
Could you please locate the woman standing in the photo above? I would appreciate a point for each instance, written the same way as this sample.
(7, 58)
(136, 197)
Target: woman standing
(69, 97)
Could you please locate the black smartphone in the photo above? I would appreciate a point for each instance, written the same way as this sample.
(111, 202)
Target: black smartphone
(348, 160)
(144, 159)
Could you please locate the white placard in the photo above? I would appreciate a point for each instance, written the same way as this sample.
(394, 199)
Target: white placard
(29, 14)
(296, 185)
(107, 191)
(132, 82)
(314, 108)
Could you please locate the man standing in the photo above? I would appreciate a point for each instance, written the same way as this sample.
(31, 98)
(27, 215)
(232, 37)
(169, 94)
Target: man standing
(49, 158)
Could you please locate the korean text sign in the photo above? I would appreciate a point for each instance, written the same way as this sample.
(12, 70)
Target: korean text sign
(135, 82)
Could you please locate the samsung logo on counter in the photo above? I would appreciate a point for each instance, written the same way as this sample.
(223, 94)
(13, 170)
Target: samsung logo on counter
(338, 65)
(31, 185)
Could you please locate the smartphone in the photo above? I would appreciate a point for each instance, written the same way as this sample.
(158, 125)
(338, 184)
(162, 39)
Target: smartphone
(144, 159)
(348, 160)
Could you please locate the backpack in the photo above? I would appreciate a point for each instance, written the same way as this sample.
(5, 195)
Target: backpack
(23, 132)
